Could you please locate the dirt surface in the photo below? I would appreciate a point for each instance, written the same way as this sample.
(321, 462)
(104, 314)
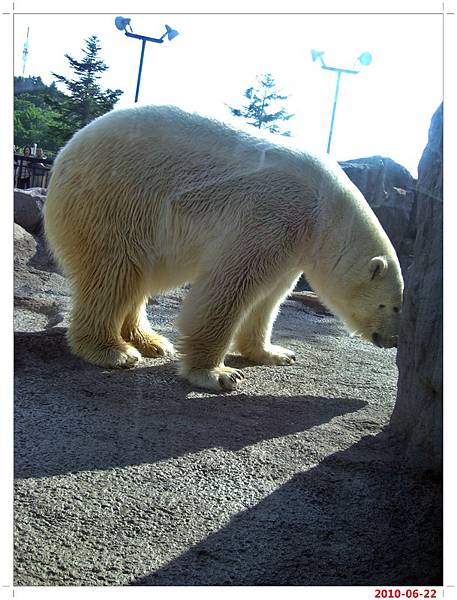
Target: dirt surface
(132, 477)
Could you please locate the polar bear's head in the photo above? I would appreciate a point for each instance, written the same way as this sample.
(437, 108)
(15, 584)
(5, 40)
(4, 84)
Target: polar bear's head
(372, 303)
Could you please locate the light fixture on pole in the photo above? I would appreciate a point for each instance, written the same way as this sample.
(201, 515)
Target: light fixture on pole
(122, 23)
(364, 59)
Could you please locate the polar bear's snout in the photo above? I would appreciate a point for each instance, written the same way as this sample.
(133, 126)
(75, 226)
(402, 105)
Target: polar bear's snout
(386, 342)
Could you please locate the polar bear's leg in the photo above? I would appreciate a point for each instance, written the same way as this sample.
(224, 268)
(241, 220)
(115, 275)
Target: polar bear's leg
(137, 330)
(101, 299)
(207, 322)
(252, 339)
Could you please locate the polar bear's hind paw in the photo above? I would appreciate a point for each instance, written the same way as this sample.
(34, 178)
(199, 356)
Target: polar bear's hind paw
(272, 355)
(153, 345)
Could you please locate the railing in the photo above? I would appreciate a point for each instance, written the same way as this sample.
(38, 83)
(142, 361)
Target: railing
(30, 171)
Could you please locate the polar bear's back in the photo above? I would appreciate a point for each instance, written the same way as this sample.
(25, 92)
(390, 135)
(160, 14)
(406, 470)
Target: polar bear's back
(155, 178)
(144, 133)
(141, 166)
(170, 144)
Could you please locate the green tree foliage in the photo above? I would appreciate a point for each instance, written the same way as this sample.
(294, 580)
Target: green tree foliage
(48, 117)
(33, 118)
(31, 125)
(260, 111)
(84, 100)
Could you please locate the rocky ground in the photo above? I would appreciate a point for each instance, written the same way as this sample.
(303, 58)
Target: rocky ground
(132, 477)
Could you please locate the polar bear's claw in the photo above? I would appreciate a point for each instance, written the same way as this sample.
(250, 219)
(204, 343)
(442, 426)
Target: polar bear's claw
(233, 377)
(229, 381)
(128, 359)
(218, 379)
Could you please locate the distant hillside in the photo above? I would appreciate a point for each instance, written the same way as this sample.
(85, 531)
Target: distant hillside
(27, 84)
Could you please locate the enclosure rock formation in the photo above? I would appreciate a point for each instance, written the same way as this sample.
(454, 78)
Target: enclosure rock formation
(28, 208)
(418, 411)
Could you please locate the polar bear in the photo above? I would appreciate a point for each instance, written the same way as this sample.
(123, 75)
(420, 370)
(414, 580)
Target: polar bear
(145, 199)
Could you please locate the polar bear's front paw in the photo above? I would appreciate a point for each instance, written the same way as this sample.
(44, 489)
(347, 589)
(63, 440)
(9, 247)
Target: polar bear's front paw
(218, 379)
(272, 355)
(124, 358)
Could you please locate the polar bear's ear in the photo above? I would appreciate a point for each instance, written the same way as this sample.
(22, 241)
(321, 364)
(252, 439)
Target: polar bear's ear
(378, 266)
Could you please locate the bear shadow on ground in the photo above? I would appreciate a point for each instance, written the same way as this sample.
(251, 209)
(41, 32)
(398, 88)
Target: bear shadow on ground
(71, 415)
(358, 518)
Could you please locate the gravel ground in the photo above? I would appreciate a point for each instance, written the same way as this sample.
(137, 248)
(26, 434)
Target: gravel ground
(132, 477)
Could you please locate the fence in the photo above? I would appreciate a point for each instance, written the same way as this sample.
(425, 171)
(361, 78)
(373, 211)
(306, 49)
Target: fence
(31, 172)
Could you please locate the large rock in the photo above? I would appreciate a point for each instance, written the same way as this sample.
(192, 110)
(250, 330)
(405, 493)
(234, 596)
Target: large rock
(41, 295)
(389, 189)
(25, 247)
(28, 208)
(418, 411)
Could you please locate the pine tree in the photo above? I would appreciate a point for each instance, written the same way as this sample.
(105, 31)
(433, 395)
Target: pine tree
(261, 98)
(86, 99)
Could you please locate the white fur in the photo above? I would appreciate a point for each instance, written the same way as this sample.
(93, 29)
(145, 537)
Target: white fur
(143, 200)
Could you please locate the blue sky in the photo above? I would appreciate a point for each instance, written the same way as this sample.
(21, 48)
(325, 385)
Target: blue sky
(385, 109)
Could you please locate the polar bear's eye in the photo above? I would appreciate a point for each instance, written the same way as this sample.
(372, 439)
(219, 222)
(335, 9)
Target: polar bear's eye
(382, 306)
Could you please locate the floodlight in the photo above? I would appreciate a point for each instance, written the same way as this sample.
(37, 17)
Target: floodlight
(171, 33)
(315, 54)
(365, 59)
(121, 23)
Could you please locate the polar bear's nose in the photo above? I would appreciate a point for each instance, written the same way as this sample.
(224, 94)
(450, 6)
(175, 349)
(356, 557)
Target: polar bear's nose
(376, 339)
(390, 342)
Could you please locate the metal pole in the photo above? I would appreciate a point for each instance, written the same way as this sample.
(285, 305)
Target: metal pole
(333, 112)
(139, 70)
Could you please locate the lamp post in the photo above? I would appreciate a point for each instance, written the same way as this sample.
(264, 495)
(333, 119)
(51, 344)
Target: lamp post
(364, 59)
(122, 23)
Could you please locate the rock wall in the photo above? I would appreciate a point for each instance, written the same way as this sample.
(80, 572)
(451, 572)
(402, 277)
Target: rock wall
(28, 208)
(418, 411)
